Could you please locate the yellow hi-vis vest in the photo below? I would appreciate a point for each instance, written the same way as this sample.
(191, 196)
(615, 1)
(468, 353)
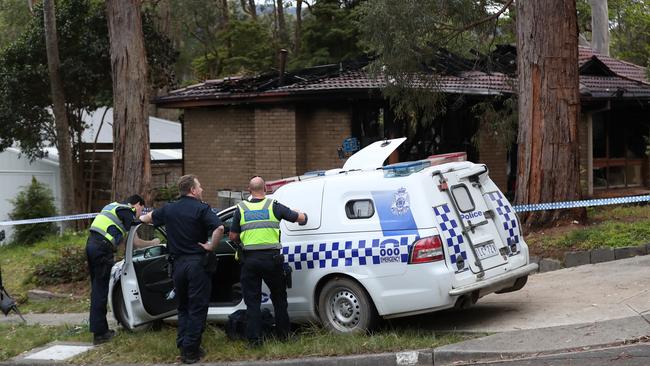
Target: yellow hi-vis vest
(260, 229)
(107, 218)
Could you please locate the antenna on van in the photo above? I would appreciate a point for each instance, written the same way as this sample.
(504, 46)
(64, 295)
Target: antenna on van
(385, 143)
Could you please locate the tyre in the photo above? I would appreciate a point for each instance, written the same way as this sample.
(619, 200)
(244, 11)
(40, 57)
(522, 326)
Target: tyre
(345, 307)
(119, 310)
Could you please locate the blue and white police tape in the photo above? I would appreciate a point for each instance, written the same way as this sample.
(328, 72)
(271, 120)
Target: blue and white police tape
(518, 208)
(48, 219)
(578, 204)
(59, 218)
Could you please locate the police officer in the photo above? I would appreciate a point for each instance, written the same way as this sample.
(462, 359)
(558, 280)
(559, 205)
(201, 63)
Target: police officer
(256, 224)
(188, 223)
(107, 231)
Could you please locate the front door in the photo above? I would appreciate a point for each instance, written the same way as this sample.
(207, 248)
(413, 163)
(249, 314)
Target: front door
(146, 286)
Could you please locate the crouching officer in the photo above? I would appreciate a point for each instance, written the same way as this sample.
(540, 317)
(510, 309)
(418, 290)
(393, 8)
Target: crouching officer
(188, 223)
(257, 224)
(107, 231)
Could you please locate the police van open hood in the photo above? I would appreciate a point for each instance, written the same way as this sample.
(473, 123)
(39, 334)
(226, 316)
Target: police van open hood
(372, 156)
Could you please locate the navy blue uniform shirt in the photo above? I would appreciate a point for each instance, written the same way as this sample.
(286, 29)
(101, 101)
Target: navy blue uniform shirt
(188, 222)
(280, 211)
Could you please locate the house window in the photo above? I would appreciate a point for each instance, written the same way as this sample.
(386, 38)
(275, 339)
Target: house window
(618, 151)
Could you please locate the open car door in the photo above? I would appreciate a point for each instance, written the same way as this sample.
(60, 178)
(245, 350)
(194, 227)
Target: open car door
(146, 288)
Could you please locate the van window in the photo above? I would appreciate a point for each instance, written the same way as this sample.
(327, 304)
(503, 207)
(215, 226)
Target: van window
(359, 209)
(463, 198)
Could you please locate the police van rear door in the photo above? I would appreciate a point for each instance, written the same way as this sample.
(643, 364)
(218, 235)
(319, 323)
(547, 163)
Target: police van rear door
(484, 247)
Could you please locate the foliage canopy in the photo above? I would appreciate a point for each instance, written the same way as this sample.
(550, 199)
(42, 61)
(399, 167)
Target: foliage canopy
(25, 116)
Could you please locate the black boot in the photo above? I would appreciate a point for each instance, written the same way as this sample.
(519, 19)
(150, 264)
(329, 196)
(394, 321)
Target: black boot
(103, 338)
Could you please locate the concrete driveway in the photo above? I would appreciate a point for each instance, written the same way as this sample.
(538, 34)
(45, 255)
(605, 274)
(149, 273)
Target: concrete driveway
(584, 294)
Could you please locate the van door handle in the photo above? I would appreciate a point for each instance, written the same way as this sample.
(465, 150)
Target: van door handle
(471, 226)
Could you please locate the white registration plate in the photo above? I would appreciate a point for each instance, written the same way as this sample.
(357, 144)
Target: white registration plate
(486, 250)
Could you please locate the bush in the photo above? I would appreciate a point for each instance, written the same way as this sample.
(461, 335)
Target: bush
(167, 193)
(35, 201)
(69, 265)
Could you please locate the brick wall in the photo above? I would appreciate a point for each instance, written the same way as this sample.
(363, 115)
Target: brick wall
(275, 142)
(219, 148)
(320, 131)
(165, 174)
(225, 146)
(494, 155)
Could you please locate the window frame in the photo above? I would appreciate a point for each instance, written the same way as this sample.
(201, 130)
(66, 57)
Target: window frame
(469, 195)
(349, 212)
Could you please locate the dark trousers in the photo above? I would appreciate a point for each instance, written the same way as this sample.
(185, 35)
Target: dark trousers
(100, 261)
(192, 285)
(264, 265)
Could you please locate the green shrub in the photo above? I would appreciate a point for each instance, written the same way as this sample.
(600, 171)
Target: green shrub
(35, 201)
(69, 265)
(167, 193)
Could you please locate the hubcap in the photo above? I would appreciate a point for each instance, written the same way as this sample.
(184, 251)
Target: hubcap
(344, 309)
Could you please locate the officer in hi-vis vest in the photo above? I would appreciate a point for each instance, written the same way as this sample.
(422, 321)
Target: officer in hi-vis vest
(107, 231)
(256, 224)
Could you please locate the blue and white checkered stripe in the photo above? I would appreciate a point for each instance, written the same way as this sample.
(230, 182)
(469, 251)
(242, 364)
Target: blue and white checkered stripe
(508, 218)
(451, 233)
(583, 203)
(346, 253)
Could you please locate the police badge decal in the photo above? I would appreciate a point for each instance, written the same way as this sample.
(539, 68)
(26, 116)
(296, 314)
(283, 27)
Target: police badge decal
(401, 204)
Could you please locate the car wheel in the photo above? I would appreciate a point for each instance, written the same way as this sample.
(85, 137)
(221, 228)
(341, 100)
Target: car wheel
(123, 319)
(345, 307)
(119, 310)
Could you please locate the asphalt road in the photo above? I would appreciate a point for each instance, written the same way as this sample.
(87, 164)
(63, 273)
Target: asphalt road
(633, 355)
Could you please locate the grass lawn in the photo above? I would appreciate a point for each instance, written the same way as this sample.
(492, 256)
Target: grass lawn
(15, 339)
(17, 263)
(606, 226)
(160, 346)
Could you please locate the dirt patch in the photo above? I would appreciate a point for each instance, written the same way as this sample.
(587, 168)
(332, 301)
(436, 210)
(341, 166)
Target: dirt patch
(79, 289)
(535, 241)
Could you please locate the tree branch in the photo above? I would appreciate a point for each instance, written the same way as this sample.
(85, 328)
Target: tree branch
(486, 19)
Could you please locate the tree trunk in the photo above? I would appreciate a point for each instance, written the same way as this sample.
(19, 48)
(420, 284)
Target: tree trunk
(63, 140)
(282, 25)
(599, 27)
(549, 106)
(252, 8)
(131, 157)
(225, 24)
(249, 9)
(225, 16)
(298, 36)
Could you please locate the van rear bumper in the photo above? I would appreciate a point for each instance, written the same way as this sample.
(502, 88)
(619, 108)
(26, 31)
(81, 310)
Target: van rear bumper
(508, 276)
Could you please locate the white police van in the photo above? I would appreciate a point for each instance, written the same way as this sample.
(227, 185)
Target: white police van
(381, 241)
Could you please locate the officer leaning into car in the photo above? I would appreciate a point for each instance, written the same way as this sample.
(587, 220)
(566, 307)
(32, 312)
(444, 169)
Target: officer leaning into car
(256, 224)
(188, 222)
(107, 231)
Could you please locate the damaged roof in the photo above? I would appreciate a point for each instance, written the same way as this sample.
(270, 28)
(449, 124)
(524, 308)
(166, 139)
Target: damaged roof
(601, 77)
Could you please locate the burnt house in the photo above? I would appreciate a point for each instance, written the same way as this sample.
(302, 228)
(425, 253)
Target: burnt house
(279, 125)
